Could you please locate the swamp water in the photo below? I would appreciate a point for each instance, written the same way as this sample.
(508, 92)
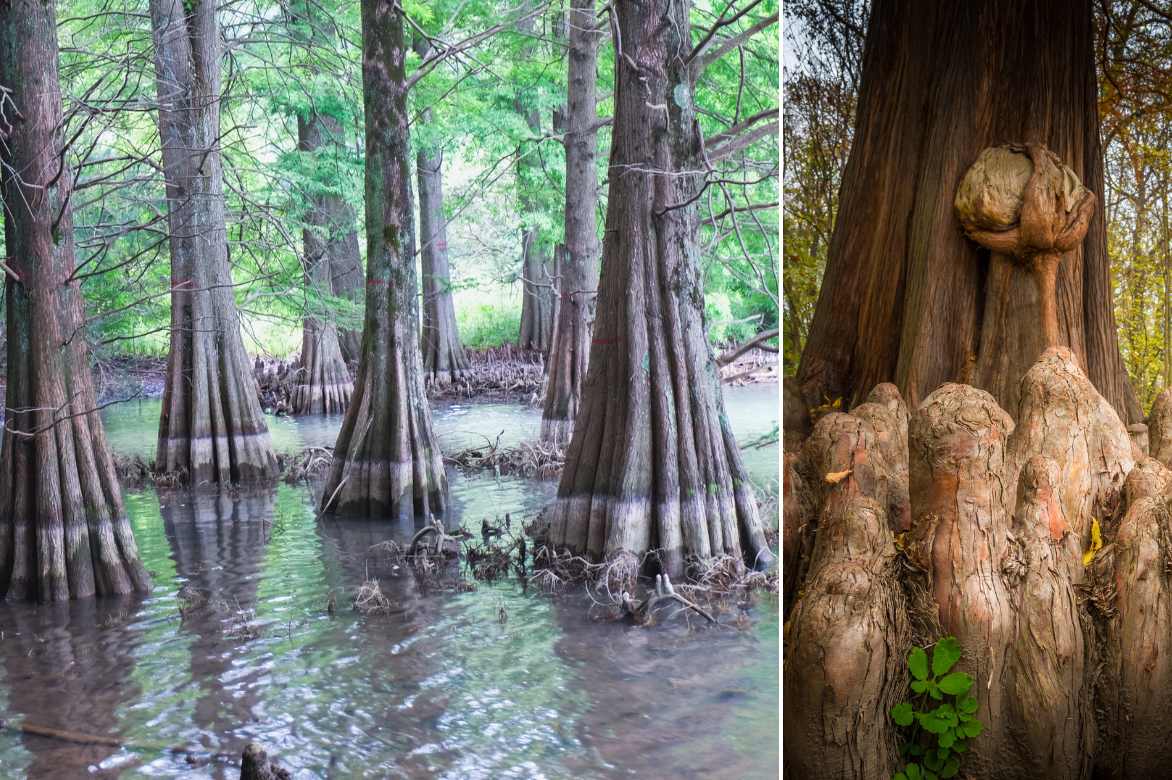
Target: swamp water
(492, 683)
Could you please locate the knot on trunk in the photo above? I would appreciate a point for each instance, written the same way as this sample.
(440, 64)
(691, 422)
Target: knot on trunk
(1021, 201)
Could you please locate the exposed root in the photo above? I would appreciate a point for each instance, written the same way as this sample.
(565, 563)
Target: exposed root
(370, 600)
(500, 372)
(531, 459)
(310, 463)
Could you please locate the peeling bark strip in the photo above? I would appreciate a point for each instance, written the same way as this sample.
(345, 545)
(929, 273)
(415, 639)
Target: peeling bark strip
(324, 385)
(577, 260)
(906, 298)
(63, 530)
(386, 460)
(653, 462)
(211, 428)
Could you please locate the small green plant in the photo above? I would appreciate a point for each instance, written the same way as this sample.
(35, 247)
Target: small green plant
(939, 719)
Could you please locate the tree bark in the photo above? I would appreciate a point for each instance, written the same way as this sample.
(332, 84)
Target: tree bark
(324, 385)
(905, 297)
(443, 354)
(211, 428)
(387, 460)
(63, 530)
(347, 275)
(653, 463)
(577, 264)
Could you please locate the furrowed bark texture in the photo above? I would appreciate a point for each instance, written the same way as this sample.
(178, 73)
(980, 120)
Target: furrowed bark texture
(63, 530)
(797, 530)
(1160, 428)
(846, 636)
(653, 463)
(443, 354)
(940, 84)
(387, 461)
(324, 385)
(959, 462)
(211, 428)
(845, 642)
(577, 264)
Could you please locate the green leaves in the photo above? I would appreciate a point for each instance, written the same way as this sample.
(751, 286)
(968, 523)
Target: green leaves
(917, 663)
(956, 684)
(939, 720)
(945, 655)
(903, 714)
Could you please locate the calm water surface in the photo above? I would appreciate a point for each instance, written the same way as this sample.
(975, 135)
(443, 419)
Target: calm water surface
(439, 688)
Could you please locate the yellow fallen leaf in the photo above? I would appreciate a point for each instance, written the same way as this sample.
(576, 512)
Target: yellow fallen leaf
(834, 477)
(1096, 543)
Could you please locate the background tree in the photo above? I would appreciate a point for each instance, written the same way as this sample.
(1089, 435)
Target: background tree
(443, 354)
(943, 312)
(63, 530)
(653, 463)
(537, 301)
(324, 384)
(577, 267)
(211, 428)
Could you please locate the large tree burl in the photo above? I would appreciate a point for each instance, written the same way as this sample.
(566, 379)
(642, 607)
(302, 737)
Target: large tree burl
(1021, 201)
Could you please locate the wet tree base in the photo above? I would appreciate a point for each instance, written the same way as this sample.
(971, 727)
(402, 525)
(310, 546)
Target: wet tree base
(1041, 544)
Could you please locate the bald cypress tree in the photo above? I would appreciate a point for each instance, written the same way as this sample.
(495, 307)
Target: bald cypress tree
(653, 463)
(387, 461)
(63, 530)
(212, 428)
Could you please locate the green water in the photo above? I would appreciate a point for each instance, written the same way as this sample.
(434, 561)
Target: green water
(491, 683)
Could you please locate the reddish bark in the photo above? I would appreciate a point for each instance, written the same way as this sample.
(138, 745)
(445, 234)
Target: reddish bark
(905, 297)
(577, 260)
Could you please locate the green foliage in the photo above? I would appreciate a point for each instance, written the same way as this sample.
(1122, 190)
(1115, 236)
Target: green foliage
(938, 721)
(487, 319)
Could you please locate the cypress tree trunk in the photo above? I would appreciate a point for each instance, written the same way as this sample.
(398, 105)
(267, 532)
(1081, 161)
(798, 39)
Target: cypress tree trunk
(387, 460)
(653, 463)
(443, 354)
(325, 385)
(212, 428)
(537, 300)
(577, 264)
(906, 298)
(347, 277)
(63, 530)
